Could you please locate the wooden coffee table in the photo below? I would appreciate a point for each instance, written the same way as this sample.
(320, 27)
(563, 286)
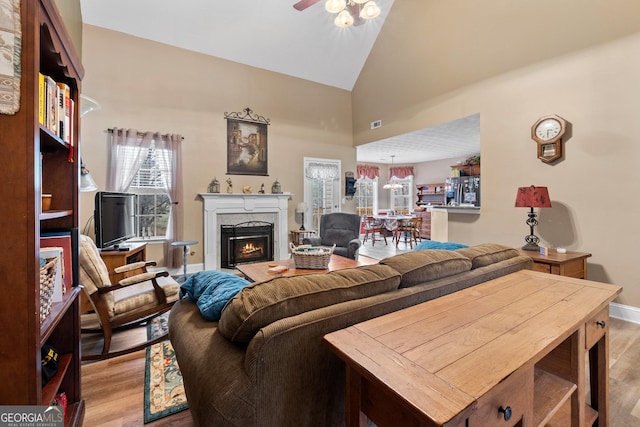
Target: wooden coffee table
(259, 271)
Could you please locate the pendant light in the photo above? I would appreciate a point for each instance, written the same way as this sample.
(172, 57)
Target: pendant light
(392, 184)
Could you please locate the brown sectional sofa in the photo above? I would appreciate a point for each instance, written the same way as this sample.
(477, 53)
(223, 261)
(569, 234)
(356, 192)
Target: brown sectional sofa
(264, 364)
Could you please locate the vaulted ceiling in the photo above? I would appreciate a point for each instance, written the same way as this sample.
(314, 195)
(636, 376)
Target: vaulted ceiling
(272, 35)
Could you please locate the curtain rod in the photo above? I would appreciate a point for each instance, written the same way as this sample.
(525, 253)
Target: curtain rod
(110, 130)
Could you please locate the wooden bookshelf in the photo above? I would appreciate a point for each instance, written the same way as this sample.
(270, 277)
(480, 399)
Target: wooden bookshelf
(37, 161)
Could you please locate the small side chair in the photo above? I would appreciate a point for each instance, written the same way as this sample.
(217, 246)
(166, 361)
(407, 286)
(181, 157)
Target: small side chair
(130, 302)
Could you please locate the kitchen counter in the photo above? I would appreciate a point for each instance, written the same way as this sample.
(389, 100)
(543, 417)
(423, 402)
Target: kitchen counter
(440, 219)
(473, 210)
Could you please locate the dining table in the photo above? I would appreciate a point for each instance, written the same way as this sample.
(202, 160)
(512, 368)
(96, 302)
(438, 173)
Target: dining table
(391, 222)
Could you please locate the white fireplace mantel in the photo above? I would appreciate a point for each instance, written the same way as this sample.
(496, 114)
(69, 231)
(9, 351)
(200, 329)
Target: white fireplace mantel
(229, 209)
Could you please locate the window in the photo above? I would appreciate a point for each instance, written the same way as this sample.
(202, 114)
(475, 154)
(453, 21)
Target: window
(148, 164)
(150, 183)
(366, 196)
(402, 198)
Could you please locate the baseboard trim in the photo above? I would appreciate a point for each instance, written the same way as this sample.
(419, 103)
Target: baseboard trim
(624, 312)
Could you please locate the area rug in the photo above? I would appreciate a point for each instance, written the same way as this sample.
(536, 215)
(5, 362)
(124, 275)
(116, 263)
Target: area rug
(163, 388)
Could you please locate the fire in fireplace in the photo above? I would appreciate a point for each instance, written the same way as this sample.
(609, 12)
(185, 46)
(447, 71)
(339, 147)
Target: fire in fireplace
(246, 242)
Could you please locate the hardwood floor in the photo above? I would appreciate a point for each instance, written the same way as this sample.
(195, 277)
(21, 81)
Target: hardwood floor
(113, 389)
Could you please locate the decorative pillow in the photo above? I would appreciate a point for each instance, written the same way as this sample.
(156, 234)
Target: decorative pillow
(423, 266)
(211, 290)
(430, 244)
(263, 303)
(488, 253)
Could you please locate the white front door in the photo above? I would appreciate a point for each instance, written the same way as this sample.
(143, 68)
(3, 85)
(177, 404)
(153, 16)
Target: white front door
(321, 188)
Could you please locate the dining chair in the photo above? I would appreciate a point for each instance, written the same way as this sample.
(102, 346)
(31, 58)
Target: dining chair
(371, 227)
(407, 228)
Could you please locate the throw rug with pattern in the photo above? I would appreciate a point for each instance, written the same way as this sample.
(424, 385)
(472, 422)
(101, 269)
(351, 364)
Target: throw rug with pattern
(163, 388)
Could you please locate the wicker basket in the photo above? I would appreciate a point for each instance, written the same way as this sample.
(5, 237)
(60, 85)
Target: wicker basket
(47, 282)
(310, 257)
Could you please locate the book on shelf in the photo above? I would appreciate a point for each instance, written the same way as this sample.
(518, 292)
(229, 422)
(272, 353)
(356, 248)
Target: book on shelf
(68, 241)
(51, 104)
(41, 98)
(64, 93)
(56, 107)
(58, 282)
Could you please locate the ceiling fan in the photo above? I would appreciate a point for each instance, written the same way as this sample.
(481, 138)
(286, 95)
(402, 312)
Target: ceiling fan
(303, 4)
(349, 12)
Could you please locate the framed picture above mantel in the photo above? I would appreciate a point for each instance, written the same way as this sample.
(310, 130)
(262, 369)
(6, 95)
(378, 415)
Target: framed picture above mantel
(246, 143)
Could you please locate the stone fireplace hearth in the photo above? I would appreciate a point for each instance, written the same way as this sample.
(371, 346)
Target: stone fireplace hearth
(230, 209)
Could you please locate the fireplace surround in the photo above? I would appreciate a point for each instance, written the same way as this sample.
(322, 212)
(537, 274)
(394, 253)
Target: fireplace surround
(229, 209)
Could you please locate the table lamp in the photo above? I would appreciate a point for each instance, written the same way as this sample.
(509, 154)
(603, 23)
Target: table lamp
(532, 197)
(300, 209)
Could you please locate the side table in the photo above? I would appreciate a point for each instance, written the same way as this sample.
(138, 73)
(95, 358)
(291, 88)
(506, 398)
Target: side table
(184, 245)
(296, 236)
(569, 264)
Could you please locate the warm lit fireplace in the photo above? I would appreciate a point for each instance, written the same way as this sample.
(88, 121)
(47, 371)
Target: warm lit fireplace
(246, 242)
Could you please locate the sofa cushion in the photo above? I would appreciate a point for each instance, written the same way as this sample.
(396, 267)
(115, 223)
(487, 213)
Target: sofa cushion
(261, 304)
(423, 266)
(488, 253)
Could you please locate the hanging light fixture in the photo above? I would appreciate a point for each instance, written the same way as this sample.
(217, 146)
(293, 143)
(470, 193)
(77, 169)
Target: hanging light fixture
(368, 9)
(392, 184)
(335, 6)
(344, 19)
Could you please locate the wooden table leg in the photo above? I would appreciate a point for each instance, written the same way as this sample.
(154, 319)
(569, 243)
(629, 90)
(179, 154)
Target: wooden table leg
(599, 379)
(354, 415)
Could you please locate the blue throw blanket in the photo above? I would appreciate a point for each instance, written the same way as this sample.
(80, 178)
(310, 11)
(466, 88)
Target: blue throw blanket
(430, 244)
(211, 290)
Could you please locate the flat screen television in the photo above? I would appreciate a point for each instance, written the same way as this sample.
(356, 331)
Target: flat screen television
(114, 217)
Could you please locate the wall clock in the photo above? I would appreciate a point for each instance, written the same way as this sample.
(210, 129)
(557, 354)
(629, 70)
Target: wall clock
(548, 131)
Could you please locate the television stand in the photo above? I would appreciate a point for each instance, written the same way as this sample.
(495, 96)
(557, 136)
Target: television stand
(124, 254)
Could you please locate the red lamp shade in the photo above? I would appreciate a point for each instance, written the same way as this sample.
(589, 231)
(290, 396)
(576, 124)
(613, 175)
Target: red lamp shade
(533, 197)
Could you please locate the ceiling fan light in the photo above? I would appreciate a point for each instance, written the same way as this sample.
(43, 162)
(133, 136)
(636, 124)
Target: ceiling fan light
(344, 19)
(370, 10)
(335, 6)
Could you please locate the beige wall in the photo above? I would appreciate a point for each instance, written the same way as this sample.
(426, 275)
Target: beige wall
(150, 86)
(512, 63)
(72, 17)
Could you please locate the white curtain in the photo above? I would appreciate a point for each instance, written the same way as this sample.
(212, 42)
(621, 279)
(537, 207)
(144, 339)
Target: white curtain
(325, 171)
(128, 149)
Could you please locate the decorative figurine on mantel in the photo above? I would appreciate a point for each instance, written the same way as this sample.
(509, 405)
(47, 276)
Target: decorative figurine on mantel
(276, 188)
(229, 186)
(247, 189)
(214, 186)
(261, 191)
